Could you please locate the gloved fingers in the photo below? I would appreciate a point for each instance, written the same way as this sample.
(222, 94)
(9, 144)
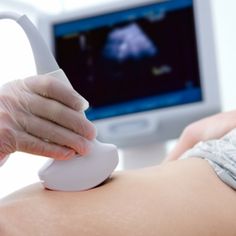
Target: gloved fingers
(7, 135)
(53, 133)
(30, 144)
(7, 141)
(51, 87)
(62, 115)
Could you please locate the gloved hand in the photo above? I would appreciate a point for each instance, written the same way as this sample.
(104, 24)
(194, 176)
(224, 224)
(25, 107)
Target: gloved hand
(43, 116)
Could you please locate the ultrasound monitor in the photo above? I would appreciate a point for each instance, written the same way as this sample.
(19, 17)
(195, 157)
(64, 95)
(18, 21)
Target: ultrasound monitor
(147, 68)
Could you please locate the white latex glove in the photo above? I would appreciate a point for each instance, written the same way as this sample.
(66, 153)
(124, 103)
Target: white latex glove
(43, 116)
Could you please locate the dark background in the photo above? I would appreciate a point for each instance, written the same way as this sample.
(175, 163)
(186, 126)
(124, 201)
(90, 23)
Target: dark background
(105, 81)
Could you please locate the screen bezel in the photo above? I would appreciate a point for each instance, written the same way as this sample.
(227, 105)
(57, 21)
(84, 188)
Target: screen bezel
(159, 119)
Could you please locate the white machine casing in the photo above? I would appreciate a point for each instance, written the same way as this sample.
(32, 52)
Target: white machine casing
(80, 173)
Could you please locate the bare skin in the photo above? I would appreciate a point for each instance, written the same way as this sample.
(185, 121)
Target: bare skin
(176, 198)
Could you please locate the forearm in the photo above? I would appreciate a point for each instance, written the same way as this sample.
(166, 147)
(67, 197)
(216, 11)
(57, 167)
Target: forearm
(179, 198)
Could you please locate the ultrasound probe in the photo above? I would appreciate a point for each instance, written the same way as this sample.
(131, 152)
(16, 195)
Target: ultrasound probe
(78, 173)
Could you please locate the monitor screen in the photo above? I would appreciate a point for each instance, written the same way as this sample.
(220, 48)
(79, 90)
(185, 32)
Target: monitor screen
(132, 60)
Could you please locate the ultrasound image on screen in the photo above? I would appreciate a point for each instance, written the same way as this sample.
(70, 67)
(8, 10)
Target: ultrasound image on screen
(131, 61)
(128, 43)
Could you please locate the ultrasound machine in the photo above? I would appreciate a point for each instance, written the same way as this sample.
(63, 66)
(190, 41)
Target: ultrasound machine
(147, 67)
